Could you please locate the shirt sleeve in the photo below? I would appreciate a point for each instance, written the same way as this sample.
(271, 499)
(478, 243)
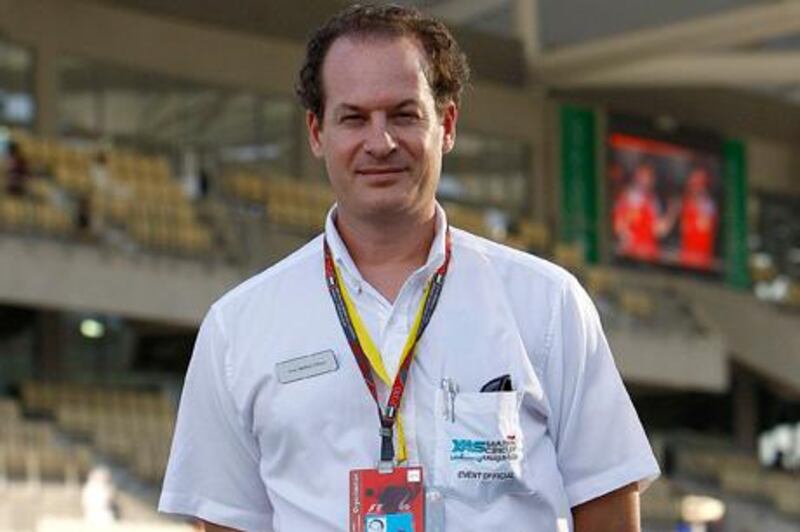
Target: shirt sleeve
(213, 469)
(600, 443)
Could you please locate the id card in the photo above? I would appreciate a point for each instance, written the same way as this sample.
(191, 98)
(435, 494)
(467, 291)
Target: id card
(387, 502)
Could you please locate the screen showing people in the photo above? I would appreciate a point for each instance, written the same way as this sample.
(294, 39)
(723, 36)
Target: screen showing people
(666, 202)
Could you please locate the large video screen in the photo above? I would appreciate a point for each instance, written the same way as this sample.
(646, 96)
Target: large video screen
(666, 195)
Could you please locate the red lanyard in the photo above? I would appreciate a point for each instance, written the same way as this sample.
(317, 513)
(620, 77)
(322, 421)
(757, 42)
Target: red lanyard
(388, 415)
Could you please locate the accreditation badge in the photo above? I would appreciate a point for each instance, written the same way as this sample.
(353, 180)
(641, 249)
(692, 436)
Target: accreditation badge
(387, 501)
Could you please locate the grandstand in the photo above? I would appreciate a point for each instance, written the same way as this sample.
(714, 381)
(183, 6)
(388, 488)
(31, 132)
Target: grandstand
(166, 162)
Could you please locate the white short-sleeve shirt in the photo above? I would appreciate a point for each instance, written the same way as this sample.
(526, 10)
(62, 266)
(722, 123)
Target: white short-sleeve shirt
(254, 453)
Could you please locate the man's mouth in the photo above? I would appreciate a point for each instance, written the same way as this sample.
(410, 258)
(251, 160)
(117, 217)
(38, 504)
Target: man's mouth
(380, 170)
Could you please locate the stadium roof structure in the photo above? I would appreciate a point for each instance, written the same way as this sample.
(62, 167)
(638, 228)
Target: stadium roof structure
(753, 44)
(693, 61)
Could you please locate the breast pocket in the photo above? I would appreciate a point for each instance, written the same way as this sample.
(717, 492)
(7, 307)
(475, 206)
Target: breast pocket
(480, 446)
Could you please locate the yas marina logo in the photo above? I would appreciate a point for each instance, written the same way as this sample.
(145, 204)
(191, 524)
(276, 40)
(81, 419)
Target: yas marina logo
(506, 450)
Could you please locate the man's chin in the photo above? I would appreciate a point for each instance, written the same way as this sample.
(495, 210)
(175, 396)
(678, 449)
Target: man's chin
(388, 210)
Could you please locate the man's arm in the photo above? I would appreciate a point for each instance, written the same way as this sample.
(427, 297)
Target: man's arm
(617, 511)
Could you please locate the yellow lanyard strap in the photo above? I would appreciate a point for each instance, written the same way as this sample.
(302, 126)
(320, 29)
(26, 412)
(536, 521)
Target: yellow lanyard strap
(374, 356)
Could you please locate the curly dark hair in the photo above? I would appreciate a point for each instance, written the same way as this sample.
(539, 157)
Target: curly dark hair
(447, 68)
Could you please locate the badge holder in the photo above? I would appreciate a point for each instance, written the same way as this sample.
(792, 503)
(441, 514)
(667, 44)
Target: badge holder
(390, 501)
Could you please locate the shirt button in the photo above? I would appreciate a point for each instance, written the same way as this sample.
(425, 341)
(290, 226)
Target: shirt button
(358, 289)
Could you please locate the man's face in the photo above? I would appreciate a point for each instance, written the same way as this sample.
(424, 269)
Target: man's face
(644, 177)
(697, 183)
(380, 135)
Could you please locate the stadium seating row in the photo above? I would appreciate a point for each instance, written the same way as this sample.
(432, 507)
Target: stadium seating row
(140, 198)
(58, 507)
(30, 450)
(190, 239)
(749, 479)
(23, 215)
(247, 187)
(741, 474)
(302, 205)
(133, 427)
(297, 204)
(36, 463)
(23, 503)
(131, 192)
(48, 154)
(47, 397)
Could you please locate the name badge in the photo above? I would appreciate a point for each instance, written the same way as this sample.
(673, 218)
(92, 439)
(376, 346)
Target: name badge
(307, 366)
(387, 502)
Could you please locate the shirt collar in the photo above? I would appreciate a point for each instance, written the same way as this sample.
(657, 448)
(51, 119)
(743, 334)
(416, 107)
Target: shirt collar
(348, 268)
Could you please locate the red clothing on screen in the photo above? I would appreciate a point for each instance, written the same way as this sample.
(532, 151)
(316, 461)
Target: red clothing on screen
(698, 230)
(635, 217)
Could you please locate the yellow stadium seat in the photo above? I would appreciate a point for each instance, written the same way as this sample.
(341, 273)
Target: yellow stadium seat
(52, 220)
(535, 235)
(11, 213)
(160, 169)
(570, 256)
(600, 281)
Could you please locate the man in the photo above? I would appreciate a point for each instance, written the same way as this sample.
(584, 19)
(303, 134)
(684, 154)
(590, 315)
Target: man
(638, 221)
(17, 174)
(514, 416)
(698, 222)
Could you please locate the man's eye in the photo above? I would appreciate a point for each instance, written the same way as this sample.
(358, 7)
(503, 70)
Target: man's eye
(352, 119)
(406, 117)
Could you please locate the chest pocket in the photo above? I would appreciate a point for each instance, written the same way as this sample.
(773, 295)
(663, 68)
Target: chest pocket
(480, 446)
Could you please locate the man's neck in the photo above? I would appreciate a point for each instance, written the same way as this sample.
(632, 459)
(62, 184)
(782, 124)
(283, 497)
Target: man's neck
(386, 254)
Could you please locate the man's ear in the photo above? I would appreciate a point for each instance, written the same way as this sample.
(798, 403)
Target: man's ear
(449, 119)
(314, 126)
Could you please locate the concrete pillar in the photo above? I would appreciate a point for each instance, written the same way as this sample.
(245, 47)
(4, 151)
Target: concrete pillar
(539, 195)
(527, 31)
(46, 90)
(527, 28)
(48, 345)
(745, 409)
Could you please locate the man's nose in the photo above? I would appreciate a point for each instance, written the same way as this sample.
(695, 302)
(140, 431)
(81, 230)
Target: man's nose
(380, 142)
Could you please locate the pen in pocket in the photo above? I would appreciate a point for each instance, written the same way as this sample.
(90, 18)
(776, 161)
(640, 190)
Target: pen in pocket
(450, 389)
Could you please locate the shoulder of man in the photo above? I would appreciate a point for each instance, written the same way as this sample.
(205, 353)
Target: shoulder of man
(534, 288)
(521, 266)
(297, 266)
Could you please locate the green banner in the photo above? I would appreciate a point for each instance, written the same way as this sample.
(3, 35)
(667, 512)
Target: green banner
(579, 200)
(736, 251)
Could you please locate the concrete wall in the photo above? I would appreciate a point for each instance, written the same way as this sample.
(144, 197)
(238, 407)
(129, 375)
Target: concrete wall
(43, 273)
(757, 335)
(671, 360)
(773, 166)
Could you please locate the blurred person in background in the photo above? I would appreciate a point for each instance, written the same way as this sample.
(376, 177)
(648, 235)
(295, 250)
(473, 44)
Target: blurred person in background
(698, 221)
(17, 172)
(98, 497)
(465, 341)
(102, 193)
(638, 220)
